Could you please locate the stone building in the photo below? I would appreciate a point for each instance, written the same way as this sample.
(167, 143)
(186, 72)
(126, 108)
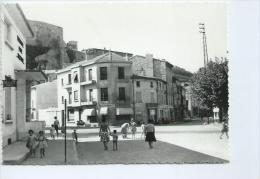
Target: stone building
(14, 30)
(149, 99)
(46, 50)
(150, 67)
(96, 89)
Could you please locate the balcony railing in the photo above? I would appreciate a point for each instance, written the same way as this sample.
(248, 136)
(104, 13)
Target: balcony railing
(87, 102)
(92, 82)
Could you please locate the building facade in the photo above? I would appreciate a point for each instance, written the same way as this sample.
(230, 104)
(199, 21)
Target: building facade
(149, 99)
(96, 89)
(14, 29)
(150, 67)
(44, 104)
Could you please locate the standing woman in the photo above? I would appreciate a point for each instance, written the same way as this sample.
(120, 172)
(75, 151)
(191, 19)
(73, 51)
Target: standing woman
(104, 133)
(149, 131)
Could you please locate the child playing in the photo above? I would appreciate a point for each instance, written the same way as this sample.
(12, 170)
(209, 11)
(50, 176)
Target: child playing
(31, 142)
(75, 135)
(42, 143)
(115, 139)
(52, 132)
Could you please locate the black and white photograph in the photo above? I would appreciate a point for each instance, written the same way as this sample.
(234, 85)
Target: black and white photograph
(116, 83)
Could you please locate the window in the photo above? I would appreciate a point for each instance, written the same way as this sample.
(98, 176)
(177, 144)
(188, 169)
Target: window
(71, 115)
(76, 95)
(8, 104)
(90, 74)
(121, 72)
(69, 78)
(62, 82)
(20, 41)
(122, 94)
(20, 58)
(8, 31)
(91, 95)
(75, 77)
(137, 83)
(103, 73)
(62, 99)
(20, 49)
(152, 97)
(138, 97)
(70, 100)
(104, 94)
(151, 84)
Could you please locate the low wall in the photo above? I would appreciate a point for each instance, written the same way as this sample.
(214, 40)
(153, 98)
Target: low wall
(36, 126)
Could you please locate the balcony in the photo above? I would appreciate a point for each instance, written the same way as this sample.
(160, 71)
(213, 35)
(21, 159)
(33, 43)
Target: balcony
(87, 103)
(67, 86)
(92, 82)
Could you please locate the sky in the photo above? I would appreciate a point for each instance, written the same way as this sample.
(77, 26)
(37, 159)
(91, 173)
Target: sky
(167, 30)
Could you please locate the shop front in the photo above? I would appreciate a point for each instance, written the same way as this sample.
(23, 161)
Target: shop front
(123, 115)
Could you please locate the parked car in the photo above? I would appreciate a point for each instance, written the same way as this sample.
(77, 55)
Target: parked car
(80, 123)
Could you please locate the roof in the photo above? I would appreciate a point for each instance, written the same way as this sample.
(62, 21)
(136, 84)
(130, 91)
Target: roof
(168, 63)
(105, 58)
(147, 77)
(21, 22)
(106, 50)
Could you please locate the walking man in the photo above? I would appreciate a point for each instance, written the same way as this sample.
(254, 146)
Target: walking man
(56, 126)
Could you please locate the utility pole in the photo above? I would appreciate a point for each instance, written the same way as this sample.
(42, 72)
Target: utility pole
(65, 131)
(204, 41)
(133, 97)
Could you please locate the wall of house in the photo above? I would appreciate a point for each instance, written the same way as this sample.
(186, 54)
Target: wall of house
(9, 62)
(143, 66)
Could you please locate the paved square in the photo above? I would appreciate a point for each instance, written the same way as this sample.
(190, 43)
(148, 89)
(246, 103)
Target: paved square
(137, 152)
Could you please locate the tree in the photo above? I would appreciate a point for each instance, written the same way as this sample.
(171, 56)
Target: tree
(210, 85)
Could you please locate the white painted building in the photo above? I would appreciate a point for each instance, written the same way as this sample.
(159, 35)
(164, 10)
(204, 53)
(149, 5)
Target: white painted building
(14, 29)
(95, 89)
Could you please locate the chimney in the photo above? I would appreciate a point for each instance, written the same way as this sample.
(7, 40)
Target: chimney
(149, 56)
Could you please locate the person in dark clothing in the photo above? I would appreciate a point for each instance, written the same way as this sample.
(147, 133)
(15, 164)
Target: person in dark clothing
(56, 126)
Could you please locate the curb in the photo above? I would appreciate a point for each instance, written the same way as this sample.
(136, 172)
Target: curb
(16, 162)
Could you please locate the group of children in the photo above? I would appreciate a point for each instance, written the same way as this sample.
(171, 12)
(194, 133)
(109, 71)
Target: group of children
(34, 142)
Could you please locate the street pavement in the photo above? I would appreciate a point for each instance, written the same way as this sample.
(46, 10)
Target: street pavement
(54, 154)
(185, 143)
(138, 152)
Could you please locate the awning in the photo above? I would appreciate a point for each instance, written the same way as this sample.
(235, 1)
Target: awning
(89, 112)
(36, 75)
(124, 111)
(103, 110)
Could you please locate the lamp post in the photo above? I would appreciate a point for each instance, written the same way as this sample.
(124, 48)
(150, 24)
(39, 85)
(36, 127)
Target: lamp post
(65, 131)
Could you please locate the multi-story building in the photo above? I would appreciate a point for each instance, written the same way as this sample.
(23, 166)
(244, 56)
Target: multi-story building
(14, 29)
(150, 67)
(96, 89)
(149, 99)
